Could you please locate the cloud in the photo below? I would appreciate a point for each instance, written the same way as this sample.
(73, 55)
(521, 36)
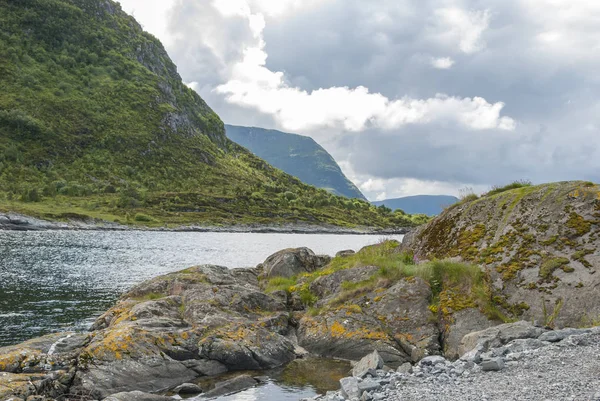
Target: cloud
(407, 96)
(442, 63)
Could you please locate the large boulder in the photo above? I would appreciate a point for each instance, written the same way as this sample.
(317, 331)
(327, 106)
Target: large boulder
(462, 323)
(201, 321)
(292, 262)
(540, 244)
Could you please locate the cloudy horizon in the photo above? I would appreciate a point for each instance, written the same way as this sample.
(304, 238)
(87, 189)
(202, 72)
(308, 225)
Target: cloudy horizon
(409, 97)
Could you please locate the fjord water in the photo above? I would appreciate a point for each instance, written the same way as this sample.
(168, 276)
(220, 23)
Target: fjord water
(61, 280)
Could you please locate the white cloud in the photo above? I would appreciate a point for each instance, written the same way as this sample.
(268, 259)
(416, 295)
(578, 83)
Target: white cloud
(253, 85)
(442, 63)
(462, 27)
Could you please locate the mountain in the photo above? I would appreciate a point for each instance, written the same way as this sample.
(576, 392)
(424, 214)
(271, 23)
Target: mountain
(426, 204)
(95, 122)
(297, 155)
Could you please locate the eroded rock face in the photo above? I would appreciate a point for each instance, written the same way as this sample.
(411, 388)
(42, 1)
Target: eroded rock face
(392, 318)
(540, 244)
(292, 262)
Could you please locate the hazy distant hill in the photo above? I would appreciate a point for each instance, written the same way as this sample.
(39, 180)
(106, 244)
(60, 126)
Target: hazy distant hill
(426, 204)
(297, 155)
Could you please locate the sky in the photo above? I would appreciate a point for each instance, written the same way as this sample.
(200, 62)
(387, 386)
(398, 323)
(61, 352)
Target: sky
(410, 97)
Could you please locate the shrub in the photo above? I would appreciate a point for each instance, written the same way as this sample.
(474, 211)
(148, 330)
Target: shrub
(141, 217)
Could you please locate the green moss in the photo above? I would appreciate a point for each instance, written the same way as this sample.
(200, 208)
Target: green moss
(580, 257)
(578, 224)
(550, 240)
(550, 265)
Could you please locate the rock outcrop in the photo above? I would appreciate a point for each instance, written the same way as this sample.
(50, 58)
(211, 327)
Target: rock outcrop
(540, 245)
(292, 262)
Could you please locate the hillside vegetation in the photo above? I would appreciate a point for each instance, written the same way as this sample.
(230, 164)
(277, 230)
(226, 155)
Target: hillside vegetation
(297, 155)
(96, 122)
(425, 204)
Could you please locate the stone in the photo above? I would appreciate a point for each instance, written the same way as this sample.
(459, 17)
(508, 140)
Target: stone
(559, 335)
(432, 360)
(292, 262)
(494, 364)
(187, 388)
(136, 396)
(498, 335)
(235, 385)
(345, 253)
(405, 368)
(368, 385)
(462, 323)
(205, 367)
(349, 387)
(371, 361)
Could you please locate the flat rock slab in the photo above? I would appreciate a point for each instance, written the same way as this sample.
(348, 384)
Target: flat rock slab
(559, 335)
(137, 396)
(235, 385)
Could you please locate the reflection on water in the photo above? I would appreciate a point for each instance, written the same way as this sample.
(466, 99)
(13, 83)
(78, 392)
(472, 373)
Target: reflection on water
(60, 280)
(302, 378)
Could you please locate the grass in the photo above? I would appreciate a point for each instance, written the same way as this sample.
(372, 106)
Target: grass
(496, 189)
(454, 285)
(89, 132)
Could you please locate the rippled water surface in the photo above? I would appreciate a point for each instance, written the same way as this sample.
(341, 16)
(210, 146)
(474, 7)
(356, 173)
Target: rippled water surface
(60, 280)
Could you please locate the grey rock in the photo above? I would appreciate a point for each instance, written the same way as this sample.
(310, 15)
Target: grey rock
(349, 387)
(498, 335)
(235, 385)
(368, 385)
(371, 361)
(205, 367)
(344, 253)
(136, 396)
(494, 364)
(432, 360)
(187, 388)
(405, 368)
(292, 262)
(559, 335)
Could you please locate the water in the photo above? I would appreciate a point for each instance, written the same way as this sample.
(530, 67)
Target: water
(61, 280)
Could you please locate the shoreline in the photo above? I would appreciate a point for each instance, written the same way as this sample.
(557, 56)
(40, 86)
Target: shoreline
(20, 222)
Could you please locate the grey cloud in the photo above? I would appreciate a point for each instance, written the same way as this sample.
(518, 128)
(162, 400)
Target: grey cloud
(386, 45)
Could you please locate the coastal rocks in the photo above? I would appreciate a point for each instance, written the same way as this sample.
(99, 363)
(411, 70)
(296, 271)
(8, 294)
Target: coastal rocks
(345, 253)
(200, 321)
(291, 262)
(462, 323)
(136, 396)
(237, 384)
(187, 388)
(391, 317)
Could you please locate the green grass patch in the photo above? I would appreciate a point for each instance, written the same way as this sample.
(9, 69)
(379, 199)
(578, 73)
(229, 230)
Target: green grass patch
(496, 189)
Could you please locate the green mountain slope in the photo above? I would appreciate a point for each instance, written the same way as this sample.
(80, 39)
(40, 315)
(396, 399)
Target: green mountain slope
(426, 204)
(297, 155)
(96, 122)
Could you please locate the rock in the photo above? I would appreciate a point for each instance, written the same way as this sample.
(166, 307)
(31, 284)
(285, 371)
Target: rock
(433, 360)
(405, 368)
(345, 253)
(205, 367)
(493, 364)
(497, 231)
(371, 361)
(364, 320)
(235, 385)
(368, 385)
(559, 335)
(349, 387)
(292, 262)
(136, 396)
(498, 335)
(462, 323)
(187, 388)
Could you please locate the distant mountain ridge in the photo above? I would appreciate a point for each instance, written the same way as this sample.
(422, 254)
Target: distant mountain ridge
(420, 204)
(297, 155)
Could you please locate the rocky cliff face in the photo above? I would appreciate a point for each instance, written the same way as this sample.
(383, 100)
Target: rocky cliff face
(539, 244)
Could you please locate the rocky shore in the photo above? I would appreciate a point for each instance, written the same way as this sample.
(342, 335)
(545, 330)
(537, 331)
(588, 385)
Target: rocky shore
(19, 222)
(556, 365)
